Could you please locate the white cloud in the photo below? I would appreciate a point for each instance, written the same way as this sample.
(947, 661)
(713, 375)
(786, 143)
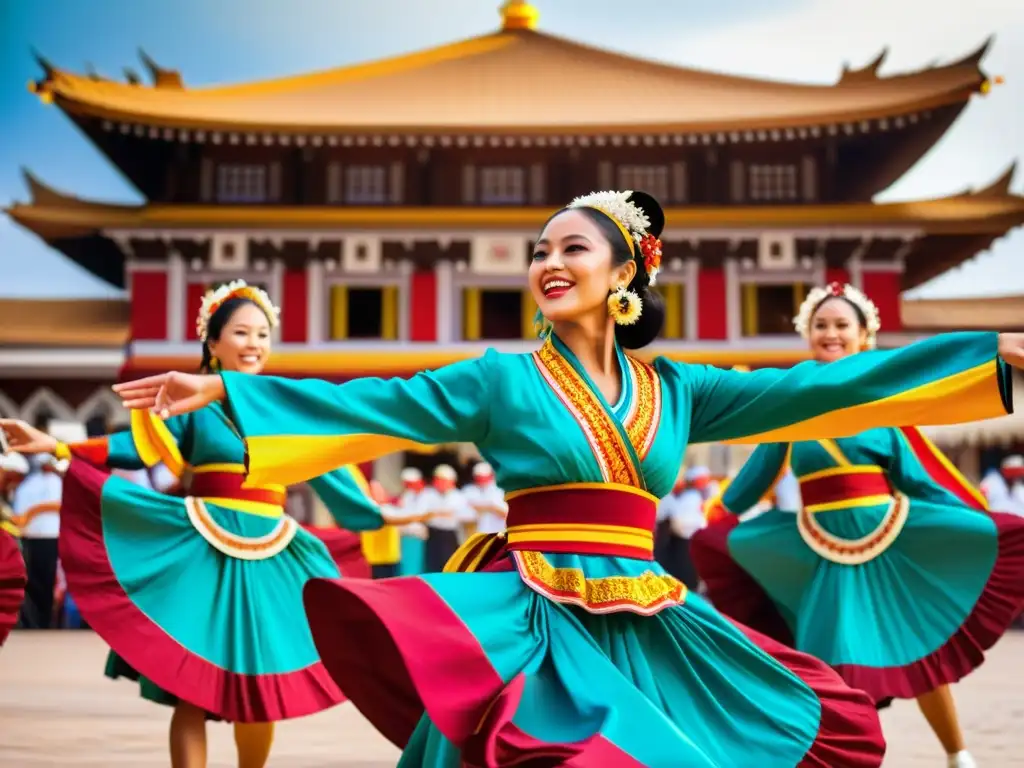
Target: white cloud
(810, 43)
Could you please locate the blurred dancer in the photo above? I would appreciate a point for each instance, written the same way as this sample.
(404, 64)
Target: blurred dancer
(893, 571)
(13, 469)
(143, 566)
(36, 506)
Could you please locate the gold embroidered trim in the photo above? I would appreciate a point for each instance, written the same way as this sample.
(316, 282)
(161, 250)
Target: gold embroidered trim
(645, 594)
(602, 434)
(642, 425)
(854, 551)
(233, 545)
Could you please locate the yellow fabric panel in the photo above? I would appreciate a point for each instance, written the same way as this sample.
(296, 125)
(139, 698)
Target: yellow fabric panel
(155, 443)
(971, 395)
(293, 459)
(381, 547)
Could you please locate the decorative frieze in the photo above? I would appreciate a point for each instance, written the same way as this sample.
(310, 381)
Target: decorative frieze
(481, 140)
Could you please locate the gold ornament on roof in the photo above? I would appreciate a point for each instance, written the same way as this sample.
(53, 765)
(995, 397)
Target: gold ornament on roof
(518, 14)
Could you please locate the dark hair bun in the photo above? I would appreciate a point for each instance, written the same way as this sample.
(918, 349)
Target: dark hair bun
(652, 210)
(648, 325)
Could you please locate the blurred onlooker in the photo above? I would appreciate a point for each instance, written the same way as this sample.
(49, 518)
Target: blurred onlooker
(486, 499)
(36, 512)
(446, 511)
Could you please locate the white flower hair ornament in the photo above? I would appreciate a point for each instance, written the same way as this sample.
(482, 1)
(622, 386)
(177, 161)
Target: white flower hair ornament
(236, 289)
(640, 219)
(802, 322)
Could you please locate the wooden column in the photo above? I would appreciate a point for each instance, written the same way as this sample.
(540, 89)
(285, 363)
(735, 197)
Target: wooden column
(471, 314)
(389, 312)
(749, 309)
(339, 312)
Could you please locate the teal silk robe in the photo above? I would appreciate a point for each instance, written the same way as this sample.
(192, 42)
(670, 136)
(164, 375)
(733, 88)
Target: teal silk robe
(677, 685)
(933, 580)
(201, 600)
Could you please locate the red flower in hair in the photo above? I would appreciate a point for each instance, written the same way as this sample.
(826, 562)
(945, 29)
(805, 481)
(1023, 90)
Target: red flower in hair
(650, 247)
(836, 288)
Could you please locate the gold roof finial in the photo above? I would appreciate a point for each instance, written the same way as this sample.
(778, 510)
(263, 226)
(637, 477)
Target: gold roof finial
(518, 14)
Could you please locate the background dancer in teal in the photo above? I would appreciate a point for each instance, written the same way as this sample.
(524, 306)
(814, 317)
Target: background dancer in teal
(562, 641)
(892, 571)
(200, 598)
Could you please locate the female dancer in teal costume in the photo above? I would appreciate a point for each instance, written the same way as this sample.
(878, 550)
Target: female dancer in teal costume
(200, 598)
(563, 642)
(893, 572)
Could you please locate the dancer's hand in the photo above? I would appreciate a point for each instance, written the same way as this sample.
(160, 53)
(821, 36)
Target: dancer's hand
(171, 394)
(24, 438)
(378, 494)
(1011, 348)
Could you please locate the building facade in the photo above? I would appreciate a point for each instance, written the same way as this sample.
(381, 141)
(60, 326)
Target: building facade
(389, 207)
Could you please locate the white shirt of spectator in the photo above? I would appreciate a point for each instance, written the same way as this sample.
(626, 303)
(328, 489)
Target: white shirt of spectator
(39, 489)
(480, 499)
(447, 510)
(787, 493)
(684, 511)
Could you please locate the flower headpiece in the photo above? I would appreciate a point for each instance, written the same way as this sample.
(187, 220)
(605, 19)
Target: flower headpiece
(632, 221)
(802, 321)
(236, 289)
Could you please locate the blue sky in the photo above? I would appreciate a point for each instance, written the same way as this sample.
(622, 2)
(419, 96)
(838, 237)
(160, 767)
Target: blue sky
(211, 41)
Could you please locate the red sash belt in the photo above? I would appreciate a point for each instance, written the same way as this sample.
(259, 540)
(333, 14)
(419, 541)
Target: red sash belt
(584, 520)
(843, 487)
(228, 485)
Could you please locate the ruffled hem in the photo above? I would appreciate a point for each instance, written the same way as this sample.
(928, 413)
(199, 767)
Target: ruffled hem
(400, 651)
(12, 583)
(997, 608)
(731, 589)
(147, 648)
(738, 595)
(346, 549)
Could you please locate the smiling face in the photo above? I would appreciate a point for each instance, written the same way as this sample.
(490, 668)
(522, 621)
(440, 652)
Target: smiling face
(244, 342)
(573, 268)
(836, 331)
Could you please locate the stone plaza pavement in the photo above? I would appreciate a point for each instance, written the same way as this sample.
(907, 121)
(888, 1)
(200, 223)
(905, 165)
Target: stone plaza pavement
(58, 711)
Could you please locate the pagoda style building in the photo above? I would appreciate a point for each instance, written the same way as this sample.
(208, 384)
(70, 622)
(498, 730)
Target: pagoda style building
(389, 207)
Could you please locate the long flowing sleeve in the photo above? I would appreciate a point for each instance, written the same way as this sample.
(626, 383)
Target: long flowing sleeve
(346, 494)
(149, 442)
(295, 430)
(947, 379)
(921, 471)
(761, 472)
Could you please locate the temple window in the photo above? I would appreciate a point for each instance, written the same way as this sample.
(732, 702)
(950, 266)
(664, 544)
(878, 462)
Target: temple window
(768, 310)
(366, 184)
(502, 185)
(653, 179)
(242, 183)
(773, 183)
(364, 312)
(496, 314)
(673, 296)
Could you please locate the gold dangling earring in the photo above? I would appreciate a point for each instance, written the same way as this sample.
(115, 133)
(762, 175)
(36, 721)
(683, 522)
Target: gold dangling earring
(624, 306)
(214, 363)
